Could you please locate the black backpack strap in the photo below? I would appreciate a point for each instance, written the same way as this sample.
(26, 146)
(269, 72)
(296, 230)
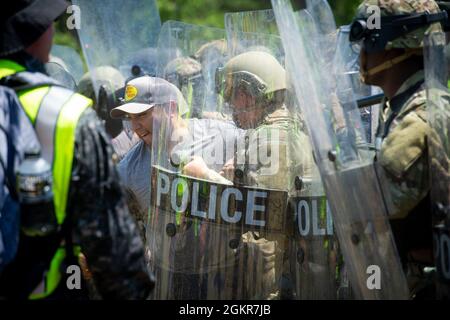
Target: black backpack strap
(18, 82)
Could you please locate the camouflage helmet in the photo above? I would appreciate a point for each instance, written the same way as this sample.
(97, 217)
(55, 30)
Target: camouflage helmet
(389, 8)
(105, 75)
(256, 71)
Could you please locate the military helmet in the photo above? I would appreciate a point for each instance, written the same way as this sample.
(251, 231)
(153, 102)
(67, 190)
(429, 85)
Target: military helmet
(403, 23)
(104, 76)
(181, 69)
(256, 71)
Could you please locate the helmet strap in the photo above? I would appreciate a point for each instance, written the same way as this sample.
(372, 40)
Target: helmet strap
(390, 63)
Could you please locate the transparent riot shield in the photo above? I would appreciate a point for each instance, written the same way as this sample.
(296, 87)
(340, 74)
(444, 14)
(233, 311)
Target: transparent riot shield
(57, 70)
(201, 226)
(188, 56)
(65, 65)
(438, 105)
(347, 170)
(315, 265)
(118, 35)
(347, 58)
(253, 30)
(71, 59)
(112, 33)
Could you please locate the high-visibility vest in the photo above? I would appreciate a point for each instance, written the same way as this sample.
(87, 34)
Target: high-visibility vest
(54, 112)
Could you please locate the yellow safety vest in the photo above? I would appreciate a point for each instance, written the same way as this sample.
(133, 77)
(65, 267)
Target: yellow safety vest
(54, 112)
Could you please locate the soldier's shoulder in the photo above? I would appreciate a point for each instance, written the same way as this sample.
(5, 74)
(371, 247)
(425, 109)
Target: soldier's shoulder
(415, 104)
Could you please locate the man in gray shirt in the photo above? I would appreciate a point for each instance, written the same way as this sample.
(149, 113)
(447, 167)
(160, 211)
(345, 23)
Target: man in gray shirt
(155, 108)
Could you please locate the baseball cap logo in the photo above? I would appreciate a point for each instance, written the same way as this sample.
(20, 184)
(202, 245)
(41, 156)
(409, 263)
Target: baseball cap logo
(130, 93)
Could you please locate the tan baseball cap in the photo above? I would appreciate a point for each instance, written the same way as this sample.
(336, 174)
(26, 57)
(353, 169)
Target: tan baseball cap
(144, 92)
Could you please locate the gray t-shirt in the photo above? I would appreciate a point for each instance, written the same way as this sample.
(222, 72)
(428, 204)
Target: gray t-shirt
(123, 143)
(213, 140)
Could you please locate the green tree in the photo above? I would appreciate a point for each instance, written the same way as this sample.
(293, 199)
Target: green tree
(207, 12)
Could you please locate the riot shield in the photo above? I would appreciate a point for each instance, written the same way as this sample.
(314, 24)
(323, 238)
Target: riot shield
(199, 229)
(57, 70)
(71, 59)
(347, 57)
(315, 266)
(438, 106)
(347, 171)
(188, 56)
(219, 236)
(112, 34)
(253, 30)
(197, 218)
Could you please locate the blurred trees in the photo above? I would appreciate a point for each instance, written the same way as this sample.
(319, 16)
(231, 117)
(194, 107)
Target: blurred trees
(209, 13)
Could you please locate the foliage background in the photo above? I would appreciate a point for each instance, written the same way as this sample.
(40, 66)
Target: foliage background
(209, 13)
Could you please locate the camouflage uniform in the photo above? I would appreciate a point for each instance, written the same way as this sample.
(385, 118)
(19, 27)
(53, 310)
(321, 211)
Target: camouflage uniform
(294, 160)
(279, 135)
(402, 150)
(292, 145)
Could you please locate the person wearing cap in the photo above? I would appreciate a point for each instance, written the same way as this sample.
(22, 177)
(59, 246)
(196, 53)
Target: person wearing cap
(90, 214)
(391, 57)
(149, 101)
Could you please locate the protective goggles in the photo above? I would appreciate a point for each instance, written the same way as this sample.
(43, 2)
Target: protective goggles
(253, 84)
(392, 27)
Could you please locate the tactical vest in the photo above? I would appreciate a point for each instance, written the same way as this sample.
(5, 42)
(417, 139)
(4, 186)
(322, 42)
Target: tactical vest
(54, 112)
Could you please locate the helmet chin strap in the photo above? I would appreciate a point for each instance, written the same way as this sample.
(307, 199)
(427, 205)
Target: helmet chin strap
(387, 64)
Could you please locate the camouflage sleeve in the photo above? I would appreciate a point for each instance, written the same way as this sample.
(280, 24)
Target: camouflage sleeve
(273, 156)
(261, 163)
(107, 233)
(404, 158)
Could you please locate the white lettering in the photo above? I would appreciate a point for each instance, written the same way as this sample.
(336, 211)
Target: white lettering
(74, 21)
(374, 19)
(252, 207)
(224, 205)
(303, 208)
(74, 280)
(374, 280)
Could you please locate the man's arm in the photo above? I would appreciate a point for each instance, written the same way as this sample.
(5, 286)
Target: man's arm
(108, 234)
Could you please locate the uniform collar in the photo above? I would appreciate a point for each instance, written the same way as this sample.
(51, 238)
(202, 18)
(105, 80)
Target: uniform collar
(419, 76)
